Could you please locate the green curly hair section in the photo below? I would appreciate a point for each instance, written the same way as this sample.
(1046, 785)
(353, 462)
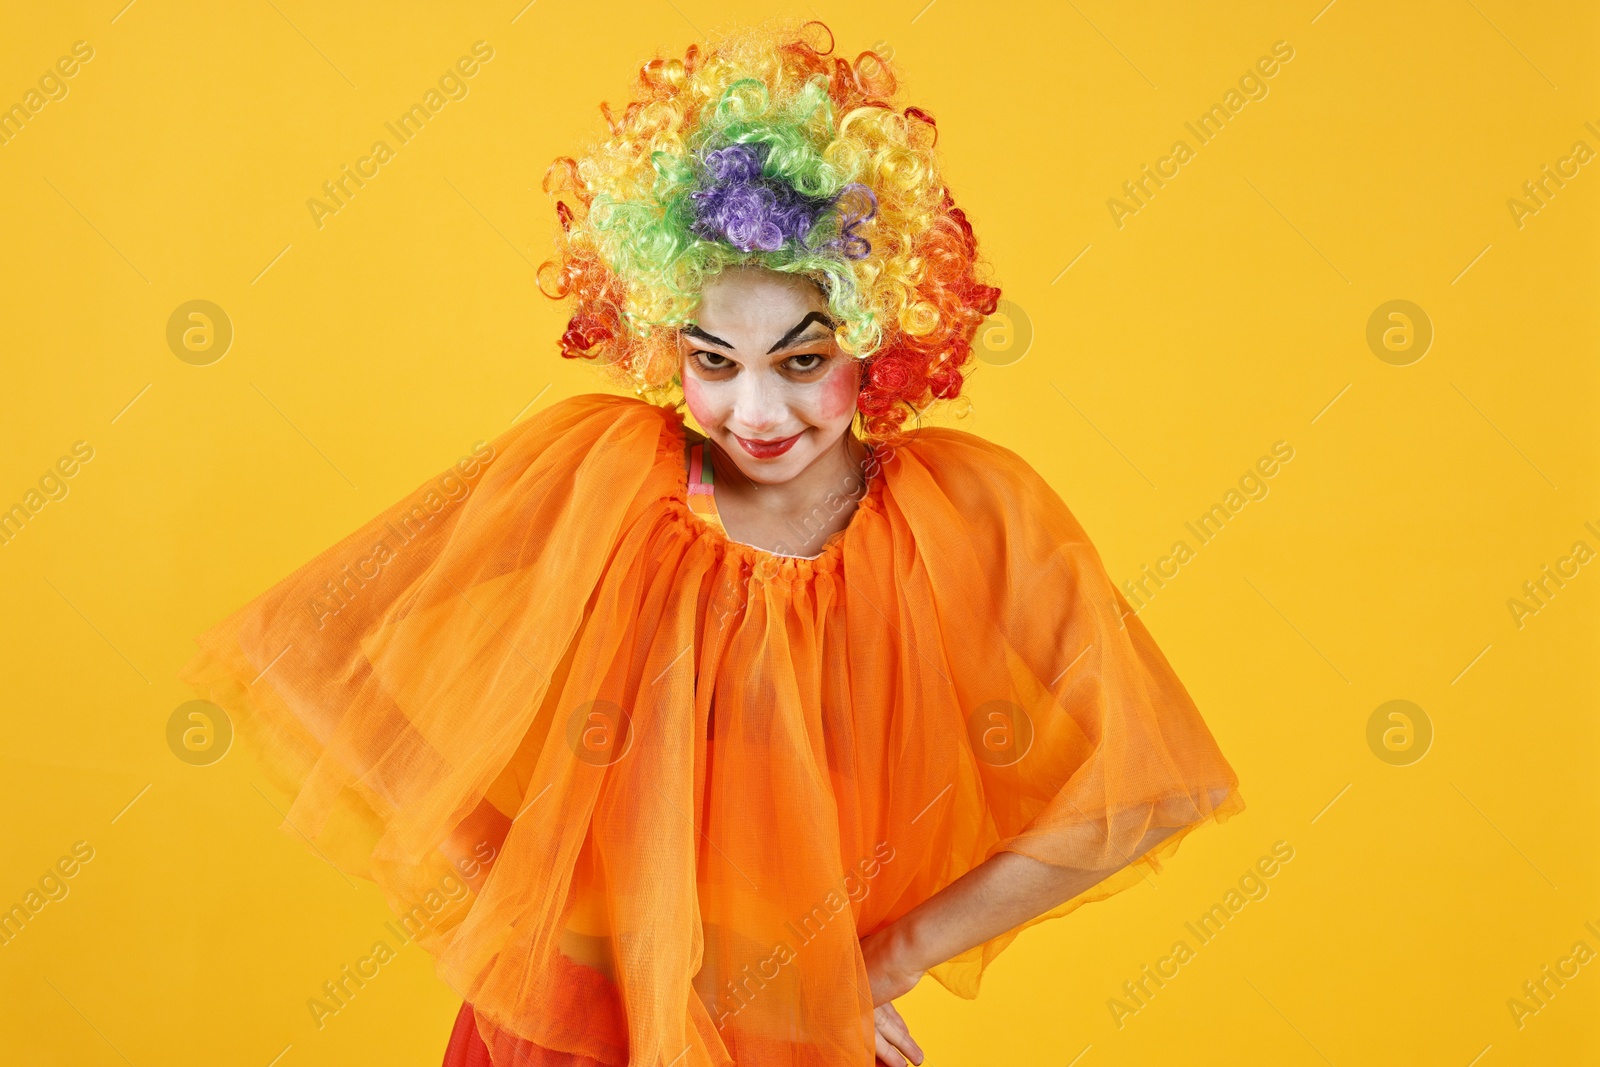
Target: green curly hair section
(649, 240)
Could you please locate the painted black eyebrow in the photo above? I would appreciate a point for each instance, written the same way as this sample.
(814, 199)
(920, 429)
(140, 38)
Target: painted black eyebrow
(788, 339)
(695, 331)
(783, 342)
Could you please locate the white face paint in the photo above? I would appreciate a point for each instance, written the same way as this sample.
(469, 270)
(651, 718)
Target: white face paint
(763, 375)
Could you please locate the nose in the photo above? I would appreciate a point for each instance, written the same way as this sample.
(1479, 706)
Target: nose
(760, 407)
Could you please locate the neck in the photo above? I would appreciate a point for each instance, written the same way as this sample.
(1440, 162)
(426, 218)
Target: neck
(836, 470)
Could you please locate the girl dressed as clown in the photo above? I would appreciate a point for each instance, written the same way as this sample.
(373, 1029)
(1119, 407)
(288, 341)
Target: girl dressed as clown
(738, 700)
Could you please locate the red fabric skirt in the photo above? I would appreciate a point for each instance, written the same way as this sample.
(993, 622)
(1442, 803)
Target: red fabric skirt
(466, 1048)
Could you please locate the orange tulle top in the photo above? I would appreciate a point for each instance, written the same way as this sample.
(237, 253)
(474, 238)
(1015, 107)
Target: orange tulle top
(641, 788)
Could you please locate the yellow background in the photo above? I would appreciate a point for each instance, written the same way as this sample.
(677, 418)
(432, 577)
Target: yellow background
(1229, 313)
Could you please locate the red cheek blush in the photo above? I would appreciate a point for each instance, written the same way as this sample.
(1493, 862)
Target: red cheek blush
(696, 400)
(839, 392)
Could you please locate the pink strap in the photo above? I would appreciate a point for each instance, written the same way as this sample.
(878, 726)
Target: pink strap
(698, 486)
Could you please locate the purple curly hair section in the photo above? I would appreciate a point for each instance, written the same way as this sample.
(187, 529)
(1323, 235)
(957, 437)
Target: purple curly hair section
(755, 214)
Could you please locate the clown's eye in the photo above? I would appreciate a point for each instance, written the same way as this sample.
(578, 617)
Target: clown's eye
(711, 361)
(807, 362)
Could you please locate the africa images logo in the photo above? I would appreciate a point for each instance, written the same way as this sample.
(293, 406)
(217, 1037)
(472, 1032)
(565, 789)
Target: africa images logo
(1252, 85)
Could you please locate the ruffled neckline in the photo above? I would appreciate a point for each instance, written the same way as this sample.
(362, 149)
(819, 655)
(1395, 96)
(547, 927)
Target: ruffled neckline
(759, 561)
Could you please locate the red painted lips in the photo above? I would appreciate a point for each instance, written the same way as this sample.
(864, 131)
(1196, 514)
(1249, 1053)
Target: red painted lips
(767, 449)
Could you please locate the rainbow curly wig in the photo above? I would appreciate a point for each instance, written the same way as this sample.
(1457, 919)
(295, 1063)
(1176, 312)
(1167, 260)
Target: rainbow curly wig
(766, 149)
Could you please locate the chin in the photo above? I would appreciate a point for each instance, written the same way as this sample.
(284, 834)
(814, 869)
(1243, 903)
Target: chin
(771, 472)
